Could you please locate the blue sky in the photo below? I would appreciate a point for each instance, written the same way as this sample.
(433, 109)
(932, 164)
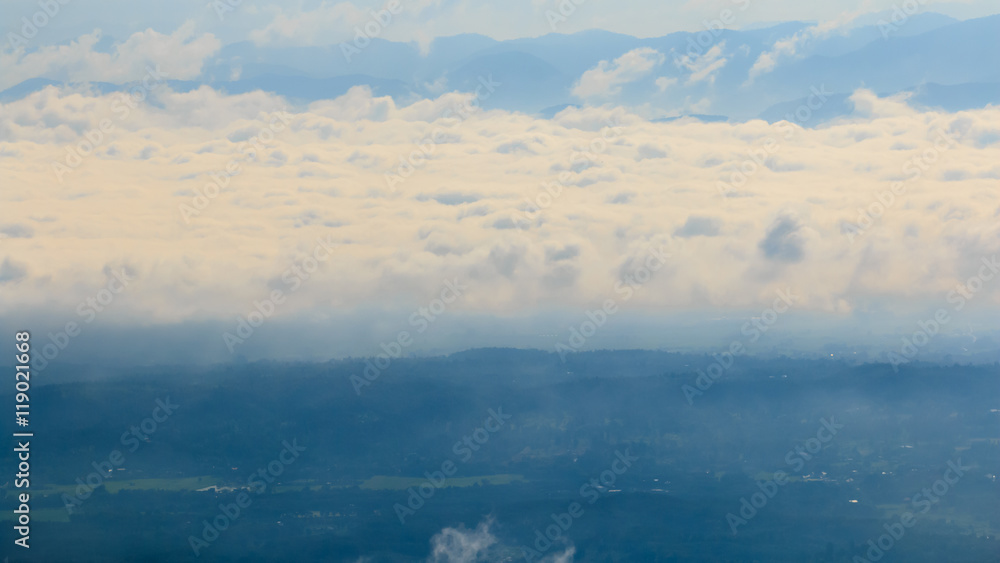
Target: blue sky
(422, 19)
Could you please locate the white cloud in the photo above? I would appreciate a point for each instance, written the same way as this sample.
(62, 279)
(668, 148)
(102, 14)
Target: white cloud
(703, 67)
(328, 23)
(663, 83)
(180, 55)
(789, 47)
(458, 545)
(605, 80)
(867, 105)
(564, 557)
(395, 248)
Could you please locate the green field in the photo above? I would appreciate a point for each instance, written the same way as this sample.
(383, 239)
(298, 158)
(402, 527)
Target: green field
(115, 485)
(386, 482)
(301, 485)
(378, 482)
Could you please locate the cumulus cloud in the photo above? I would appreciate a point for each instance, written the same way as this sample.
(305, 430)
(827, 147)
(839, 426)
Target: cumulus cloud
(565, 556)
(868, 105)
(327, 23)
(663, 83)
(459, 545)
(704, 66)
(790, 47)
(181, 55)
(606, 79)
(602, 199)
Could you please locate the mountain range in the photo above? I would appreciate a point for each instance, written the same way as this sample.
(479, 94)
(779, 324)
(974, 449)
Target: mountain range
(935, 60)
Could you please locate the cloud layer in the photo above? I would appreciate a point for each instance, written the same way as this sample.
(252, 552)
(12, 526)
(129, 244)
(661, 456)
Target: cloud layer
(533, 213)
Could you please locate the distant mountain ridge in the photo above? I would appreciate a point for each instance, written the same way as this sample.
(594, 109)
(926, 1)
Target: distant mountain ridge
(941, 61)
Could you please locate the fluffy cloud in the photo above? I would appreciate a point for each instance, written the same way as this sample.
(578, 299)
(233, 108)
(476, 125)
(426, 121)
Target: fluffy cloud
(327, 23)
(702, 67)
(663, 83)
(458, 545)
(459, 212)
(789, 47)
(606, 79)
(181, 55)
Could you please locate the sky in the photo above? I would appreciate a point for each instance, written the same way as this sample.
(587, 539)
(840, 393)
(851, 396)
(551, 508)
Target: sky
(358, 217)
(325, 22)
